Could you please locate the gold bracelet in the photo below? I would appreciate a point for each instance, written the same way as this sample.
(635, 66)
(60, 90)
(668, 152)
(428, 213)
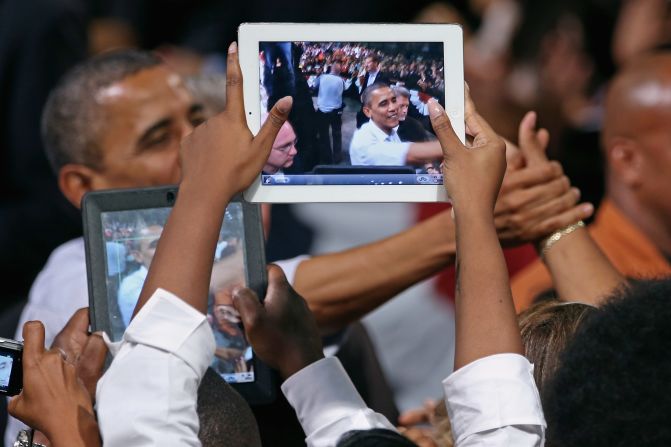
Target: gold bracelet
(549, 241)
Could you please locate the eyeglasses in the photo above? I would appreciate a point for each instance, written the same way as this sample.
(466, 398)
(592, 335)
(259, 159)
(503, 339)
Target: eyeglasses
(286, 147)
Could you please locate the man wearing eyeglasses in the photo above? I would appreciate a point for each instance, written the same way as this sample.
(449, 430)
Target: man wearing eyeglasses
(283, 152)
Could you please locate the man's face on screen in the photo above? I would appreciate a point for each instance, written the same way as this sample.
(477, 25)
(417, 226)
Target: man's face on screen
(403, 104)
(383, 109)
(284, 150)
(146, 246)
(146, 116)
(371, 65)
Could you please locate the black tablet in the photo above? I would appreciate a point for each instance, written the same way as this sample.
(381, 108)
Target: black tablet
(121, 230)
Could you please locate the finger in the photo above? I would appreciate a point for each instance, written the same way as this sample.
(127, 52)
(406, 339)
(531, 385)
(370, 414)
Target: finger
(531, 145)
(15, 406)
(477, 126)
(91, 362)
(527, 178)
(580, 212)
(33, 342)
(413, 417)
(517, 200)
(247, 303)
(234, 97)
(514, 158)
(553, 207)
(442, 126)
(79, 321)
(276, 119)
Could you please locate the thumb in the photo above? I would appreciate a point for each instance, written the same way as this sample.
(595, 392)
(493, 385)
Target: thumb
(79, 322)
(247, 303)
(532, 143)
(33, 342)
(441, 125)
(91, 362)
(16, 405)
(276, 119)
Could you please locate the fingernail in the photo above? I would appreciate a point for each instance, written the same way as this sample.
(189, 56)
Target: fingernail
(233, 48)
(284, 104)
(434, 108)
(587, 208)
(236, 292)
(576, 191)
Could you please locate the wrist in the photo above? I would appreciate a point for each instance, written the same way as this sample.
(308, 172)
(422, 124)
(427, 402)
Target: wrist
(297, 361)
(544, 245)
(83, 432)
(209, 196)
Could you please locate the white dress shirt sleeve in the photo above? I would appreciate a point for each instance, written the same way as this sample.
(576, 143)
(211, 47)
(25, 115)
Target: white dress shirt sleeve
(328, 405)
(368, 148)
(494, 402)
(148, 395)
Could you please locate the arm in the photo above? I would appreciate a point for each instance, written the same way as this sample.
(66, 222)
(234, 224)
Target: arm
(369, 275)
(488, 360)
(579, 269)
(284, 334)
(219, 159)
(420, 153)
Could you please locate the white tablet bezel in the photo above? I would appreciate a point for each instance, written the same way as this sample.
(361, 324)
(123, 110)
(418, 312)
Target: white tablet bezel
(249, 36)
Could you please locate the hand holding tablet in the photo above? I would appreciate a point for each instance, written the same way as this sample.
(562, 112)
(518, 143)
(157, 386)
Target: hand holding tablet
(359, 130)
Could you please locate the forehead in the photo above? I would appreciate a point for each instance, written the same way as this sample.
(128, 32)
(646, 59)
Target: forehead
(381, 94)
(286, 133)
(135, 102)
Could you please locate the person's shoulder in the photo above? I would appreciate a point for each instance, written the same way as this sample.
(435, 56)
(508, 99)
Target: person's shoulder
(68, 257)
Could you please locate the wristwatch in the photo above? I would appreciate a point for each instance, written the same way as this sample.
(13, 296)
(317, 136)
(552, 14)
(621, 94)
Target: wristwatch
(25, 439)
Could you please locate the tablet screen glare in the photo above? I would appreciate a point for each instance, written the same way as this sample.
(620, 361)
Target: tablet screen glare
(130, 242)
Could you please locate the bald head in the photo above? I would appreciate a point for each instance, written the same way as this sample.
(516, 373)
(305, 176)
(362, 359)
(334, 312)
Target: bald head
(639, 98)
(637, 145)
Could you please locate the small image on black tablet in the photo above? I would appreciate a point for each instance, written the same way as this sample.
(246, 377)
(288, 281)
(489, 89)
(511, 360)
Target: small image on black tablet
(123, 229)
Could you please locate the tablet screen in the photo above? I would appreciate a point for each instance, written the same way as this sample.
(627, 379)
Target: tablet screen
(130, 239)
(360, 113)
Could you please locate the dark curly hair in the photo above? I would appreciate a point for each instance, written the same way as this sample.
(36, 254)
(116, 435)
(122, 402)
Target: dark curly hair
(614, 384)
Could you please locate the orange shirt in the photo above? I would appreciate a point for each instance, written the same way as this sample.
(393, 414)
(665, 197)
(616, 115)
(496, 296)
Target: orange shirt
(630, 251)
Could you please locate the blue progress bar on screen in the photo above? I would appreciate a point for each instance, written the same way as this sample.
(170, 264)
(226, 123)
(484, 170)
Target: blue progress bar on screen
(351, 179)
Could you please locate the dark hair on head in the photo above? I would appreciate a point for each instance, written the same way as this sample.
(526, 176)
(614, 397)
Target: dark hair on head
(374, 57)
(71, 118)
(368, 92)
(377, 437)
(546, 328)
(613, 388)
(225, 417)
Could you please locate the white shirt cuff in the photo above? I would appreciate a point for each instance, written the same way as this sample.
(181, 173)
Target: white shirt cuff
(289, 266)
(492, 393)
(169, 324)
(327, 404)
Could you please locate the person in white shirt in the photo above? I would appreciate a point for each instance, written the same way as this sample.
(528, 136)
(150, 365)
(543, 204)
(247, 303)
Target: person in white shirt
(169, 339)
(330, 88)
(376, 143)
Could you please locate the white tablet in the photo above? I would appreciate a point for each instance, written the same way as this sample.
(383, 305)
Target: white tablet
(359, 130)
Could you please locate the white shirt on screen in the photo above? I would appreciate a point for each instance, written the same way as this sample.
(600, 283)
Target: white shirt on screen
(371, 146)
(328, 405)
(148, 396)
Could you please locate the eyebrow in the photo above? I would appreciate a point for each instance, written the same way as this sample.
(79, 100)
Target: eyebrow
(165, 122)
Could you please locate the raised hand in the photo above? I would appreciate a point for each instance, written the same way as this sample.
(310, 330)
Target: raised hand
(472, 175)
(85, 350)
(222, 152)
(54, 400)
(282, 330)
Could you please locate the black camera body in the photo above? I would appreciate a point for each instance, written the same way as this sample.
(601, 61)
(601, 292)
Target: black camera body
(11, 367)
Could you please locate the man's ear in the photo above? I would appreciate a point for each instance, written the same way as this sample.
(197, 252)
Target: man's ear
(75, 180)
(366, 111)
(625, 161)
